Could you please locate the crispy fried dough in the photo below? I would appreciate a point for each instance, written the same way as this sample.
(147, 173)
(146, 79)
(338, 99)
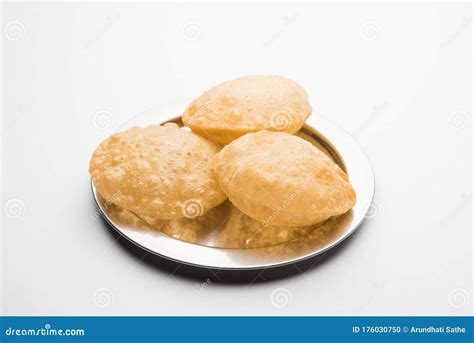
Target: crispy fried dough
(282, 180)
(158, 171)
(248, 104)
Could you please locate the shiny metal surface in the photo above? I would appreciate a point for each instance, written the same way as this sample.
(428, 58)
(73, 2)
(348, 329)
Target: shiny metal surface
(336, 143)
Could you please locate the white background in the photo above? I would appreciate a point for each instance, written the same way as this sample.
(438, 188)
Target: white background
(397, 76)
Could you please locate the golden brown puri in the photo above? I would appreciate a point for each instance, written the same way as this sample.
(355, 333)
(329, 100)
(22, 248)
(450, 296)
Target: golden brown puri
(248, 104)
(282, 180)
(158, 171)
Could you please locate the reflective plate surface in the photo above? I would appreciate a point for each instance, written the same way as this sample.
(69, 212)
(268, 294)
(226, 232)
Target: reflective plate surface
(226, 240)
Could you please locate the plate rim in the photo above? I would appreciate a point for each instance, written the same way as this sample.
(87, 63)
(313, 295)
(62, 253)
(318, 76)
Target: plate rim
(321, 125)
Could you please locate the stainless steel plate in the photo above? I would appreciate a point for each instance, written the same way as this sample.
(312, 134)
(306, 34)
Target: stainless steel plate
(339, 145)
